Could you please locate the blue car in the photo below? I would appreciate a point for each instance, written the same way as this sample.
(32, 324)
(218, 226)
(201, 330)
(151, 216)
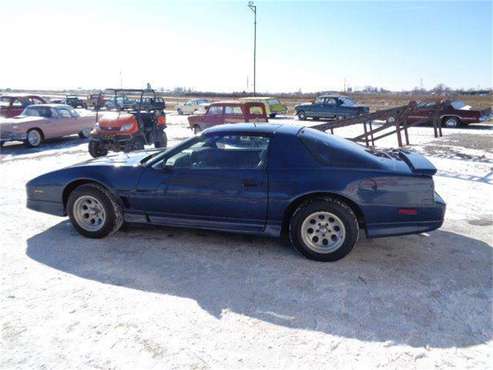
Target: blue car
(318, 189)
(330, 107)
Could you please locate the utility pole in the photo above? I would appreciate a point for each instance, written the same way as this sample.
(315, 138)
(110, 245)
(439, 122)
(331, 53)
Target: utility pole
(253, 8)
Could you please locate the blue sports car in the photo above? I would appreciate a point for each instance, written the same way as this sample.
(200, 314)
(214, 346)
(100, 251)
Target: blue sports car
(318, 189)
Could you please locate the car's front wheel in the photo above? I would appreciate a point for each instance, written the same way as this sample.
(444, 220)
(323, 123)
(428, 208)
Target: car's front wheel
(324, 229)
(93, 211)
(301, 115)
(451, 122)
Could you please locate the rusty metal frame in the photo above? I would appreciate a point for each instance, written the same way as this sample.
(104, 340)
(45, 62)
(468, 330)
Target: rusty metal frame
(399, 125)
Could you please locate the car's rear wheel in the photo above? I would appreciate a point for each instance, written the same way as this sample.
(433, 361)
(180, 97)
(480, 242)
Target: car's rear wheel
(97, 149)
(301, 115)
(34, 138)
(93, 211)
(324, 229)
(451, 122)
(180, 112)
(272, 115)
(163, 142)
(84, 134)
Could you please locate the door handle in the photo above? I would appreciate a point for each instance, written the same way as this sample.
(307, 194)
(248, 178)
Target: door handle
(248, 183)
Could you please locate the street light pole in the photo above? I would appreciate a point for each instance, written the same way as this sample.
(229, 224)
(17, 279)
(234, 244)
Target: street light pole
(253, 8)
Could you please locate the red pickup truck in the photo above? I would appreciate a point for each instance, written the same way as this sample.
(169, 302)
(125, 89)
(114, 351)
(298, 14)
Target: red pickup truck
(228, 112)
(13, 105)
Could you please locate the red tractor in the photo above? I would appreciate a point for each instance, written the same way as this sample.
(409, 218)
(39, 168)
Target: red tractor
(133, 118)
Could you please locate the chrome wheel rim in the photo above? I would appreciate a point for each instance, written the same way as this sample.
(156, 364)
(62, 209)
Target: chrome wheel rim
(89, 213)
(34, 138)
(301, 115)
(323, 232)
(451, 122)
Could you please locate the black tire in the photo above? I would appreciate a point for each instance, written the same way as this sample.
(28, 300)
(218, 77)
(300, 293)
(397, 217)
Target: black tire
(163, 142)
(179, 111)
(272, 115)
(37, 132)
(451, 122)
(83, 135)
(341, 210)
(96, 149)
(114, 214)
(196, 129)
(301, 115)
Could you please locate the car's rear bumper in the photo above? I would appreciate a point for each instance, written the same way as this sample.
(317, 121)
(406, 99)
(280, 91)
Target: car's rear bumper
(436, 215)
(52, 208)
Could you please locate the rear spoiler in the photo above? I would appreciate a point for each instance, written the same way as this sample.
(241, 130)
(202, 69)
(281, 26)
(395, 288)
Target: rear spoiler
(418, 164)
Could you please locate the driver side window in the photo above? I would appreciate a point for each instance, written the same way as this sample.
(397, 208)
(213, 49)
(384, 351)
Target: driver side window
(223, 152)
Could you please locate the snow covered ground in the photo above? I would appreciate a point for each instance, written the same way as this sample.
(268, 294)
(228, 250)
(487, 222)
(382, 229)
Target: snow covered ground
(170, 298)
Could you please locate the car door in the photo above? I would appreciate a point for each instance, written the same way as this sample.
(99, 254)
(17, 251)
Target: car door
(65, 123)
(317, 108)
(217, 182)
(213, 117)
(329, 109)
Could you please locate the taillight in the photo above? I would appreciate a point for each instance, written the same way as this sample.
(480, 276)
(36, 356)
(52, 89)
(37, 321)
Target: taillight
(161, 120)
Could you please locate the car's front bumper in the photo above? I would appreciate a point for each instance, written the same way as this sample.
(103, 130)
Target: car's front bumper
(52, 208)
(120, 138)
(486, 117)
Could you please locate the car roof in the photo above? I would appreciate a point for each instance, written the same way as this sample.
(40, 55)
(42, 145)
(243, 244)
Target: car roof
(20, 96)
(227, 102)
(334, 96)
(256, 98)
(254, 128)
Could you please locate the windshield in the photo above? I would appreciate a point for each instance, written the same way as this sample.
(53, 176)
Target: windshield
(347, 102)
(155, 158)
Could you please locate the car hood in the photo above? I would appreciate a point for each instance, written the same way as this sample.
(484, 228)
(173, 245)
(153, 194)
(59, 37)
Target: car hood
(132, 159)
(304, 104)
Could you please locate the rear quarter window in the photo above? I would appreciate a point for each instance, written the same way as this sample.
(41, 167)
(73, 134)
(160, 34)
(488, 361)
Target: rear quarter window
(255, 110)
(334, 151)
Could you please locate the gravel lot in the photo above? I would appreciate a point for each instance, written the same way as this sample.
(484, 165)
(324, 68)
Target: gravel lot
(176, 298)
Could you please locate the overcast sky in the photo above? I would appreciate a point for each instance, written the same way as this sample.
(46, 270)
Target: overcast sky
(207, 45)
